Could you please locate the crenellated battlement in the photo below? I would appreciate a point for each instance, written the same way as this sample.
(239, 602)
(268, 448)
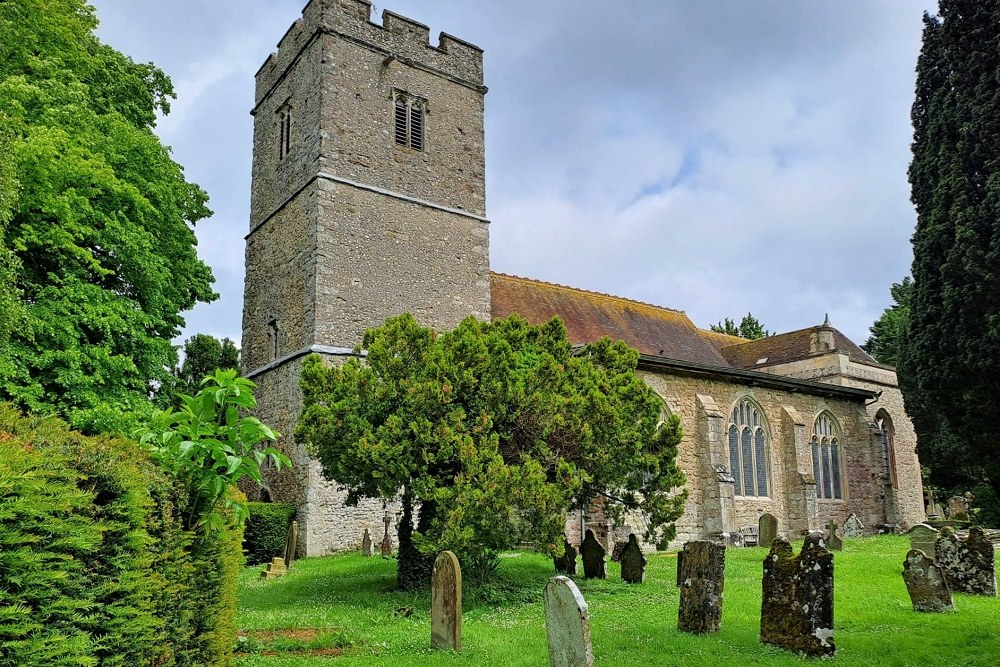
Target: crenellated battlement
(398, 37)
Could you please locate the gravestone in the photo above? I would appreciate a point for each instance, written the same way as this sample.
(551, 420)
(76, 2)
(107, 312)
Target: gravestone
(958, 508)
(386, 546)
(853, 526)
(797, 606)
(680, 567)
(701, 580)
(922, 538)
(968, 564)
(275, 568)
(616, 552)
(446, 602)
(367, 546)
(767, 529)
(566, 564)
(593, 557)
(633, 562)
(926, 583)
(567, 624)
(834, 541)
(291, 544)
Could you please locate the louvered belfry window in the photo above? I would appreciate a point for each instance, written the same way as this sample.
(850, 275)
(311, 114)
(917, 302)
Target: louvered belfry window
(748, 455)
(408, 120)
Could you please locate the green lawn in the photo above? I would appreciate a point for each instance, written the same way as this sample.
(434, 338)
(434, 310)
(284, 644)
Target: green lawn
(350, 603)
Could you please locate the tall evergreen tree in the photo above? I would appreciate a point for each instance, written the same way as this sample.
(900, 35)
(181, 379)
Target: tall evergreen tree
(203, 354)
(950, 358)
(888, 330)
(749, 328)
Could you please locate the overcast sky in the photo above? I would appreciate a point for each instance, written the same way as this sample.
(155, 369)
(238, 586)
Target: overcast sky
(713, 156)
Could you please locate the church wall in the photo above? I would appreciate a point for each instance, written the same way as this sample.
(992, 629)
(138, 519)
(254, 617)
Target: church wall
(700, 518)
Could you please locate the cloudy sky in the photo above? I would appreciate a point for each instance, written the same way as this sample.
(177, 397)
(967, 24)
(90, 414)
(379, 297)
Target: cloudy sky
(714, 156)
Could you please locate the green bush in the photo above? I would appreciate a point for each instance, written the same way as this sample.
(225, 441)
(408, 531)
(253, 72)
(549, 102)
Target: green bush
(266, 531)
(96, 567)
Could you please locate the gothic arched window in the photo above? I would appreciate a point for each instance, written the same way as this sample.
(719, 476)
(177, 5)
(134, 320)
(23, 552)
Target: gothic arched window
(886, 434)
(826, 460)
(748, 450)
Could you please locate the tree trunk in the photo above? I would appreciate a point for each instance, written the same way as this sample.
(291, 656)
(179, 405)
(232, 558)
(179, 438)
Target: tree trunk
(413, 569)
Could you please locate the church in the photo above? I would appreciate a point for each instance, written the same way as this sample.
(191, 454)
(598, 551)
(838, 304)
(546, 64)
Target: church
(368, 200)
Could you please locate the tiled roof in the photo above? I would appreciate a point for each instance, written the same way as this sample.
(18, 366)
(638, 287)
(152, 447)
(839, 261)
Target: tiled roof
(791, 346)
(588, 316)
(720, 340)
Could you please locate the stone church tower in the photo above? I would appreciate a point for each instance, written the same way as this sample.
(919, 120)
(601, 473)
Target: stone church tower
(368, 200)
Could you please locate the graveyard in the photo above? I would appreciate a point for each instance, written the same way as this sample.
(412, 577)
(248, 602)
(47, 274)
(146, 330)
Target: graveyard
(345, 610)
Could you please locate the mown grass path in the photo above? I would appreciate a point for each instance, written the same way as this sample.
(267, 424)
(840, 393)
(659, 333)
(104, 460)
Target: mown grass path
(350, 598)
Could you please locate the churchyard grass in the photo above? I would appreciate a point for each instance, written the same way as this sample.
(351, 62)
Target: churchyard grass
(346, 606)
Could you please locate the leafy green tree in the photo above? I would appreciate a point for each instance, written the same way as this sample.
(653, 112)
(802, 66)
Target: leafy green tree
(210, 444)
(888, 330)
(749, 328)
(949, 366)
(203, 354)
(96, 217)
(495, 430)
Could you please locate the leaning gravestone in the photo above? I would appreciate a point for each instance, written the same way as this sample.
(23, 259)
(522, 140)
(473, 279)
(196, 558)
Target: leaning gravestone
(566, 564)
(593, 557)
(968, 564)
(633, 562)
(853, 526)
(922, 538)
(367, 546)
(446, 602)
(567, 624)
(797, 606)
(291, 544)
(926, 584)
(701, 580)
(767, 529)
(833, 540)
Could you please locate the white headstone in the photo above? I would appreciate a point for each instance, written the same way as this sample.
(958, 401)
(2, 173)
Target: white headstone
(567, 624)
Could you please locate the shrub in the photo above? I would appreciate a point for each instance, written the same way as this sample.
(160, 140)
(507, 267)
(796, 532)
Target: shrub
(96, 567)
(266, 531)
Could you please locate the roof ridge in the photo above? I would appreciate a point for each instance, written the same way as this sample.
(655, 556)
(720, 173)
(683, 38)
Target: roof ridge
(605, 295)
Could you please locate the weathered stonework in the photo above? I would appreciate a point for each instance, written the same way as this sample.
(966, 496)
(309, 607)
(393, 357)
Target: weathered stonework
(701, 579)
(968, 564)
(926, 583)
(797, 603)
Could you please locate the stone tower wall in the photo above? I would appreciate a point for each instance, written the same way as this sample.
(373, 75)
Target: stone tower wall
(348, 228)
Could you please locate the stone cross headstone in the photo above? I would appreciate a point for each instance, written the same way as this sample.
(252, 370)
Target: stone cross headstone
(567, 624)
(446, 602)
(968, 564)
(833, 540)
(566, 564)
(367, 546)
(853, 526)
(958, 508)
(291, 544)
(386, 546)
(593, 557)
(767, 529)
(797, 606)
(701, 580)
(926, 583)
(275, 568)
(633, 562)
(922, 538)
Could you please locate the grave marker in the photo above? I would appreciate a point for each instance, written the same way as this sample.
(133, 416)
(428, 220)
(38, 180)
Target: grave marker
(701, 580)
(767, 529)
(593, 557)
(853, 526)
(367, 546)
(968, 564)
(833, 541)
(926, 583)
(633, 562)
(922, 538)
(567, 624)
(797, 606)
(275, 568)
(446, 603)
(566, 564)
(291, 544)
(386, 546)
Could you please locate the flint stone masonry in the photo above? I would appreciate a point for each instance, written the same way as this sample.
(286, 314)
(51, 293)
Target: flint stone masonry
(567, 624)
(968, 565)
(446, 603)
(566, 564)
(797, 606)
(633, 562)
(767, 529)
(593, 557)
(701, 578)
(922, 538)
(926, 583)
